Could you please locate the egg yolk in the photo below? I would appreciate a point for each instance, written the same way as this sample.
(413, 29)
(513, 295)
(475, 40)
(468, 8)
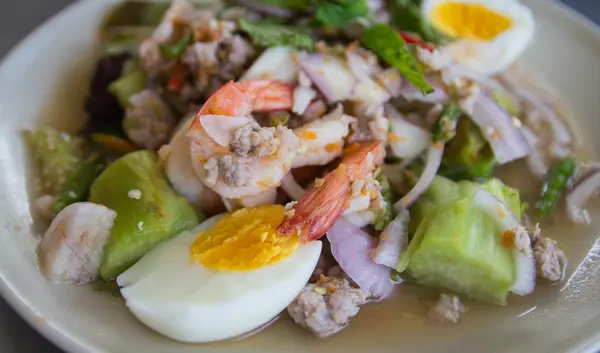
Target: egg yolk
(244, 240)
(469, 21)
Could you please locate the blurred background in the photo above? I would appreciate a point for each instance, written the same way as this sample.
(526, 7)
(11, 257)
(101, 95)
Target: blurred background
(17, 19)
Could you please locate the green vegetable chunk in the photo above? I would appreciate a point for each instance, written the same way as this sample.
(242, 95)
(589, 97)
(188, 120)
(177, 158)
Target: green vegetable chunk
(456, 246)
(78, 186)
(559, 177)
(144, 218)
(56, 155)
(445, 128)
(175, 50)
(289, 4)
(128, 85)
(269, 35)
(340, 13)
(385, 41)
(468, 155)
(407, 16)
(384, 217)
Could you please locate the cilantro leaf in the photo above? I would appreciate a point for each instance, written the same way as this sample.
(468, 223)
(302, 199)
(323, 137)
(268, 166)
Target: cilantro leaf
(270, 35)
(385, 41)
(406, 15)
(340, 13)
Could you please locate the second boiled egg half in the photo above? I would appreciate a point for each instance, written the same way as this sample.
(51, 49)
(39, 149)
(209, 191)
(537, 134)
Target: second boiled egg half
(229, 276)
(487, 35)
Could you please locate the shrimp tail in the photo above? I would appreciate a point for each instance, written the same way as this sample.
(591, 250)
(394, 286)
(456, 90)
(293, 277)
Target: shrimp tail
(320, 207)
(327, 201)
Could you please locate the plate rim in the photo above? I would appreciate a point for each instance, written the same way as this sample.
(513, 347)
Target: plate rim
(67, 342)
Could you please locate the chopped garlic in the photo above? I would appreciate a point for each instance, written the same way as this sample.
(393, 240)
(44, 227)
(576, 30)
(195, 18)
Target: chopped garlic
(135, 194)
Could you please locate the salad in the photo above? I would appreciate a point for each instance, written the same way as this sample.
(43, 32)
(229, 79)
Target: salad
(248, 160)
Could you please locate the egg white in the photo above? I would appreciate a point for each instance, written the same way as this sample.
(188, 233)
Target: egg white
(494, 56)
(185, 301)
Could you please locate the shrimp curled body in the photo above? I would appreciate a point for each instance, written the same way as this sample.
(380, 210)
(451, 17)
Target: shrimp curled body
(231, 153)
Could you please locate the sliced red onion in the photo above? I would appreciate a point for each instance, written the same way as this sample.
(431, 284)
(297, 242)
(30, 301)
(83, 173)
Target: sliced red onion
(523, 254)
(410, 93)
(506, 139)
(351, 247)
(535, 161)
(302, 98)
(260, 6)
(580, 195)
(291, 187)
(330, 75)
(559, 129)
(391, 80)
(392, 241)
(407, 140)
(434, 160)
(358, 65)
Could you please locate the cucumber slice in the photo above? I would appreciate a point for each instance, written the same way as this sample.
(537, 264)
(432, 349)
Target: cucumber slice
(143, 221)
(460, 250)
(456, 246)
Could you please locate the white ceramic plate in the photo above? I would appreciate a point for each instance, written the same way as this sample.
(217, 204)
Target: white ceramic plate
(45, 80)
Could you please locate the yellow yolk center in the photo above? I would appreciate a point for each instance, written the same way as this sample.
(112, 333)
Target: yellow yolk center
(244, 240)
(469, 21)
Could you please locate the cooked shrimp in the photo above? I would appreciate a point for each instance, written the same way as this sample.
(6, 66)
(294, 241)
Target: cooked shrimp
(231, 153)
(322, 140)
(325, 203)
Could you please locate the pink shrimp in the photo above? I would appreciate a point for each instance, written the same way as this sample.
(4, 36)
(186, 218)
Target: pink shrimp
(325, 203)
(230, 152)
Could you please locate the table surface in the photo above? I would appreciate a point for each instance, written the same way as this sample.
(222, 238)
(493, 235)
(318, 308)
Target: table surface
(19, 17)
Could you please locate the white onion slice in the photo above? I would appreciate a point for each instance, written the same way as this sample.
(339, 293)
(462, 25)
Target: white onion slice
(330, 75)
(407, 140)
(535, 161)
(302, 98)
(351, 247)
(276, 63)
(434, 160)
(392, 241)
(559, 129)
(260, 6)
(291, 187)
(524, 259)
(579, 196)
(506, 140)
(410, 93)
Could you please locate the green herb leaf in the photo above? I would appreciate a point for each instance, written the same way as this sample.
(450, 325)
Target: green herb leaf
(340, 13)
(289, 4)
(384, 41)
(385, 216)
(173, 51)
(266, 35)
(407, 16)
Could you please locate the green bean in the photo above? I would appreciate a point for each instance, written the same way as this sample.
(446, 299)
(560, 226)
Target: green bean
(78, 185)
(559, 177)
(444, 129)
(175, 50)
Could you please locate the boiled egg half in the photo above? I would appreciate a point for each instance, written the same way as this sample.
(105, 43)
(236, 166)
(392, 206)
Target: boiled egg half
(486, 35)
(231, 275)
